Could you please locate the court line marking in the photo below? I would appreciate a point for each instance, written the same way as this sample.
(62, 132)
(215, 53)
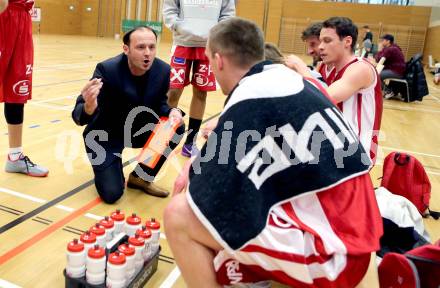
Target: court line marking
(44, 105)
(171, 279)
(39, 200)
(49, 230)
(59, 83)
(407, 151)
(63, 197)
(427, 171)
(401, 108)
(22, 195)
(67, 66)
(6, 284)
(61, 207)
(43, 207)
(437, 99)
(54, 99)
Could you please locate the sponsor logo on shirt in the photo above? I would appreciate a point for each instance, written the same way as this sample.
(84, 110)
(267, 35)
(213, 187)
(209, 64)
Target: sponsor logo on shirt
(177, 75)
(178, 60)
(201, 79)
(232, 271)
(22, 88)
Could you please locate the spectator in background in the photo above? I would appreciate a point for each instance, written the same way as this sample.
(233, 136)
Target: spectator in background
(394, 66)
(367, 42)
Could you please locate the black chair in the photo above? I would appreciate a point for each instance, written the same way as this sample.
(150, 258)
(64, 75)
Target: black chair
(413, 87)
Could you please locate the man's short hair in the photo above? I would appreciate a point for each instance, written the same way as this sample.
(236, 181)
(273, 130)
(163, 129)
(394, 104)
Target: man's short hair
(366, 27)
(312, 31)
(126, 38)
(239, 39)
(344, 27)
(388, 37)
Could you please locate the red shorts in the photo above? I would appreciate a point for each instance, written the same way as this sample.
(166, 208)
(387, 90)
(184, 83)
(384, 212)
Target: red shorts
(182, 60)
(16, 55)
(294, 253)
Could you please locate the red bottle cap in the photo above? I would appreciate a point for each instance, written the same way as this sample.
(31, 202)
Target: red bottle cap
(107, 222)
(116, 258)
(136, 241)
(126, 249)
(88, 237)
(118, 215)
(153, 224)
(96, 252)
(75, 246)
(134, 219)
(144, 232)
(98, 229)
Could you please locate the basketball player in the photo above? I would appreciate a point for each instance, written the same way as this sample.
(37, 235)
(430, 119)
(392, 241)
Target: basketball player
(355, 85)
(311, 37)
(16, 60)
(268, 219)
(190, 22)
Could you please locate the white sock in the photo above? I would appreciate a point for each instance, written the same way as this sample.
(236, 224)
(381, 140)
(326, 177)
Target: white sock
(15, 153)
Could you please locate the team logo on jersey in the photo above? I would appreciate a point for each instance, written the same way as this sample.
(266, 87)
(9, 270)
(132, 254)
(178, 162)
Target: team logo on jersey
(22, 88)
(179, 60)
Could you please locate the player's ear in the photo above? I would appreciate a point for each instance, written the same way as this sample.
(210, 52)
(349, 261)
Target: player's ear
(347, 41)
(125, 48)
(219, 61)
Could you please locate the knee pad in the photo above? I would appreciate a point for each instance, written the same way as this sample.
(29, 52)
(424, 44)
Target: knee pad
(14, 113)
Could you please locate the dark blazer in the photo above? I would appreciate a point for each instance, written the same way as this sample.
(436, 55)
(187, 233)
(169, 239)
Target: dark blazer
(118, 97)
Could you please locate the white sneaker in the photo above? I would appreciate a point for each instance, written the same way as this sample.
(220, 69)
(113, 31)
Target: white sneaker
(24, 165)
(388, 95)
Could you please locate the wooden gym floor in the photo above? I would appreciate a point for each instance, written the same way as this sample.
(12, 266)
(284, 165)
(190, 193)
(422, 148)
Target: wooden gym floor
(39, 216)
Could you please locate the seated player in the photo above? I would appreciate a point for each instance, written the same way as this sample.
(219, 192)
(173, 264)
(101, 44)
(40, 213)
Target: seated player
(276, 193)
(354, 85)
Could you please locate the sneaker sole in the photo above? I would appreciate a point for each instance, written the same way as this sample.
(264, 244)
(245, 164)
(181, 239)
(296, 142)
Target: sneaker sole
(29, 174)
(185, 154)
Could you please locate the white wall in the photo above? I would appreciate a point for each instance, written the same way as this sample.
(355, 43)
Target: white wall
(435, 17)
(429, 3)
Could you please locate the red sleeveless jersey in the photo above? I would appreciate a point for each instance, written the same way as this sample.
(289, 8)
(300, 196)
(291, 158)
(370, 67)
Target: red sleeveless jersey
(363, 110)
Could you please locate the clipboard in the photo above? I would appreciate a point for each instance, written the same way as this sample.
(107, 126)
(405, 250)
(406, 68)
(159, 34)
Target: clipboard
(157, 142)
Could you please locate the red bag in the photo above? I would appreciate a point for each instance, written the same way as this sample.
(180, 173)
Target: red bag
(404, 175)
(419, 267)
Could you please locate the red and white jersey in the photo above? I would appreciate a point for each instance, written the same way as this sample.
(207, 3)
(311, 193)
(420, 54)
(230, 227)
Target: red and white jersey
(326, 72)
(363, 110)
(311, 241)
(25, 4)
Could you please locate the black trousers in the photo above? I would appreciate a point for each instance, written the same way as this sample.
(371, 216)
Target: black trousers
(387, 74)
(106, 160)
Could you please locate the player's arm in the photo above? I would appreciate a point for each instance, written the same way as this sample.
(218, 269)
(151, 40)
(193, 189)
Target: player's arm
(297, 64)
(357, 76)
(3, 5)
(170, 11)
